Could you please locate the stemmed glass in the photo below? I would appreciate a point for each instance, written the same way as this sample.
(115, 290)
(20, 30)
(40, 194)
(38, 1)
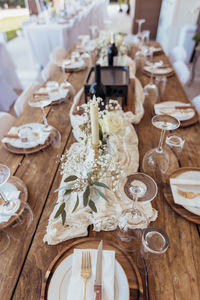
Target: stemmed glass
(156, 161)
(151, 89)
(140, 22)
(16, 216)
(175, 143)
(41, 102)
(138, 188)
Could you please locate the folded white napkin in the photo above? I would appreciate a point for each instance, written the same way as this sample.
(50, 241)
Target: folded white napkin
(75, 290)
(40, 137)
(169, 109)
(178, 190)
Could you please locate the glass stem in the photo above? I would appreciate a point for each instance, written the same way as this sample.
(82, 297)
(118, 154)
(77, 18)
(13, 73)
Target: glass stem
(63, 70)
(44, 117)
(151, 79)
(160, 145)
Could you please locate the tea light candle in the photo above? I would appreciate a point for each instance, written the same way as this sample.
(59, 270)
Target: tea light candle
(94, 123)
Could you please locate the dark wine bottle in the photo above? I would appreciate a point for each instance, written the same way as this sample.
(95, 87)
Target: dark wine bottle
(112, 51)
(97, 88)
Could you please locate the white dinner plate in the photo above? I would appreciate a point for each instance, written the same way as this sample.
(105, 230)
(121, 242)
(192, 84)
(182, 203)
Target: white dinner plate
(192, 175)
(61, 278)
(168, 108)
(158, 71)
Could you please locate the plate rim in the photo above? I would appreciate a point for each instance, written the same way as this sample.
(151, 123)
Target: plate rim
(70, 256)
(179, 209)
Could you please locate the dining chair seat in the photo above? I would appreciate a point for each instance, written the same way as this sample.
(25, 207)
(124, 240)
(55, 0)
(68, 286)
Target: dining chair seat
(58, 53)
(177, 53)
(6, 121)
(182, 71)
(196, 102)
(22, 100)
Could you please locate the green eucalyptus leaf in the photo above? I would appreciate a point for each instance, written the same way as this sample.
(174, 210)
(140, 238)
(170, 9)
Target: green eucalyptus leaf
(102, 195)
(101, 184)
(76, 205)
(86, 196)
(70, 178)
(67, 192)
(59, 211)
(63, 215)
(92, 206)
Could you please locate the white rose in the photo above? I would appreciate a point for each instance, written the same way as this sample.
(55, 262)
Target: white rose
(113, 124)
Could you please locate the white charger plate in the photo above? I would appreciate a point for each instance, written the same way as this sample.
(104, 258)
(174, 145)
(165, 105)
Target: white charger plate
(61, 278)
(192, 175)
(178, 114)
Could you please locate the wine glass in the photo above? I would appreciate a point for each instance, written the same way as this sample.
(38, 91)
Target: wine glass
(138, 188)
(151, 89)
(13, 212)
(175, 143)
(140, 22)
(41, 102)
(156, 161)
(161, 82)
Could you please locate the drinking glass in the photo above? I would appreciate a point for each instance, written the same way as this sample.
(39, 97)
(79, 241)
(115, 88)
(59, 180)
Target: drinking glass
(140, 189)
(140, 22)
(41, 102)
(161, 82)
(13, 213)
(175, 143)
(154, 241)
(156, 161)
(151, 89)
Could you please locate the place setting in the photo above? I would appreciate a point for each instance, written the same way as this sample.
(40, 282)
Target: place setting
(15, 213)
(157, 68)
(183, 193)
(76, 63)
(32, 137)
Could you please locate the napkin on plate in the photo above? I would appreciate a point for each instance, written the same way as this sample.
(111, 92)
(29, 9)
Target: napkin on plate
(11, 196)
(169, 109)
(180, 186)
(75, 290)
(40, 138)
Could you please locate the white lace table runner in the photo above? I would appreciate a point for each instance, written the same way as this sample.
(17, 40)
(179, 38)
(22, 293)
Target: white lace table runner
(125, 150)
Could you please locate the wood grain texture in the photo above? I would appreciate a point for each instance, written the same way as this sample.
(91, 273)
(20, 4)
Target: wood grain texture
(175, 274)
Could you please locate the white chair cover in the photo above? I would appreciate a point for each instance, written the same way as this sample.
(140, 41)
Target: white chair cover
(6, 121)
(58, 53)
(182, 71)
(177, 53)
(49, 70)
(9, 80)
(22, 100)
(196, 102)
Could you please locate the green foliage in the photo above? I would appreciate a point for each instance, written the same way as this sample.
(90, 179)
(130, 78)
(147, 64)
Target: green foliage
(11, 25)
(12, 3)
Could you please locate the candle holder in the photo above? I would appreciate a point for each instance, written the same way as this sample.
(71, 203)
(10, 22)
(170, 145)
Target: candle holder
(96, 155)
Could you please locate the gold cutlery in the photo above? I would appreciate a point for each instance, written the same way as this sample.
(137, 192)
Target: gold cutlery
(189, 195)
(86, 270)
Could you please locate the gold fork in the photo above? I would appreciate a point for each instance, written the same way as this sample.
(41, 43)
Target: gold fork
(189, 195)
(86, 270)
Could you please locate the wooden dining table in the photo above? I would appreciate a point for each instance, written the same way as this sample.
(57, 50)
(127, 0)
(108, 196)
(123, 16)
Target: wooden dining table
(175, 274)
